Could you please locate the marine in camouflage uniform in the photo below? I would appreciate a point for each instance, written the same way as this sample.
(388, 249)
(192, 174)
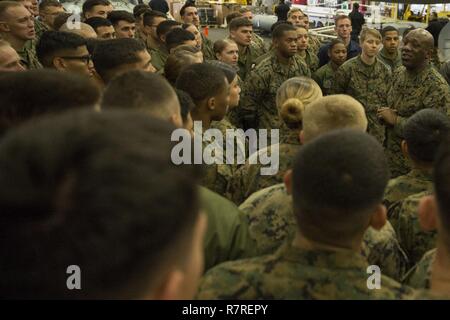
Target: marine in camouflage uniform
(40, 28)
(258, 108)
(272, 222)
(248, 178)
(367, 84)
(409, 93)
(259, 43)
(324, 77)
(419, 276)
(247, 58)
(159, 57)
(414, 241)
(207, 48)
(311, 60)
(392, 63)
(28, 56)
(314, 44)
(295, 273)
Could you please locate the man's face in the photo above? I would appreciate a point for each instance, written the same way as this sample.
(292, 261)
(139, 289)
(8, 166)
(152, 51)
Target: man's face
(242, 36)
(248, 15)
(370, 46)
(198, 37)
(49, 14)
(125, 29)
(287, 44)
(99, 11)
(191, 16)
(34, 7)
(343, 28)
(19, 23)
(302, 39)
(304, 22)
(414, 50)
(145, 62)
(106, 32)
(78, 61)
(296, 19)
(338, 54)
(10, 60)
(391, 41)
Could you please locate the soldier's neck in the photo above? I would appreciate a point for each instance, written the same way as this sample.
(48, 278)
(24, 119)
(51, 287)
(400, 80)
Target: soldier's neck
(198, 115)
(346, 41)
(304, 243)
(17, 44)
(242, 49)
(282, 59)
(440, 275)
(367, 60)
(419, 68)
(389, 55)
(302, 53)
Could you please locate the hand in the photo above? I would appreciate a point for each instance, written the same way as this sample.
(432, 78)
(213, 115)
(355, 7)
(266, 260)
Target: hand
(388, 115)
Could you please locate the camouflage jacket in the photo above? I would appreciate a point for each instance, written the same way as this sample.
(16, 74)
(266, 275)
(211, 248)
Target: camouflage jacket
(272, 222)
(258, 108)
(311, 60)
(159, 57)
(393, 64)
(28, 56)
(414, 241)
(367, 84)
(410, 93)
(324, 77)
(248, 179)
(207, 48)
(419, 276)
(295, 273)
(40, 28)
(259, 43)
(247, 58)
(314, 44)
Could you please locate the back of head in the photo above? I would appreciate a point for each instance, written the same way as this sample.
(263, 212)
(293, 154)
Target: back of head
(44, 4)
(279, 30)
(232, 16)
(186, 104)
(60, 20)
(330, 113)
(178, 36)
(143, 91)
(229, 72)
(85, 30)
(149, 17)
(164, 27)
(239, 22)
(424, 132)
(95, 190)
(51, 92)
(54, 43)
(441, 178)
(176, 62)
(5, 5)
(110, 55)
(338, 181)
(292, 97)
(97, 22)
(120, 15)
(140, 9)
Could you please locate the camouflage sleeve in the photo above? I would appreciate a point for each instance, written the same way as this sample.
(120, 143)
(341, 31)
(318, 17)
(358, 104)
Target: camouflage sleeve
(340, 81)
(254, 91)
(207, 49)
(420, 275)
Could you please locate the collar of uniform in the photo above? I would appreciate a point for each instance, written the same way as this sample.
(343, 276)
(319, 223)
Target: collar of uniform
(281, 68)
(421, 174)
(290, 136)
(384, 54)
(333, 65)
(343, 259)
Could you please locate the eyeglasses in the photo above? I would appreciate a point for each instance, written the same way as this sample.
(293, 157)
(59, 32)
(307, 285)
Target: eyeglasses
(86, 59)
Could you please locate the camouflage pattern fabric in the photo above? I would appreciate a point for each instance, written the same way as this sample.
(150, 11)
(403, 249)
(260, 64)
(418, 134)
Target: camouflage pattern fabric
(207, 48)
(311, 60)
(40, 28)
(247, 58)
(28, 56)
(419, 276)
(324, 76)
(393, 64)
(159, 58)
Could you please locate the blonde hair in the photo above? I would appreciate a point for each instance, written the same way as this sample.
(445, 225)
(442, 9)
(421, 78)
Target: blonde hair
(292, 97)
(294, 10)
(365, 32)
(333, 112)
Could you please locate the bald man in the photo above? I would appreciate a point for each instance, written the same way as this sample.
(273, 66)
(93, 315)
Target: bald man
(84, 30)
(417, 85)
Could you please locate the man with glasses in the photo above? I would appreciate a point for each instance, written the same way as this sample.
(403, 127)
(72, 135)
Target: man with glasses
(64, 51)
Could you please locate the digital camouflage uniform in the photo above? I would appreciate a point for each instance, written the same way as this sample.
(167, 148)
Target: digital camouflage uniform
(259, 43)
(272, 222)
(258, 108)
(159, 57)
(28, 56)
(247, 58)
(393, 64)
(40, 28)
(414, 241)
(404, 186)
(207, 48)
(324, 77)
(294, 273)
(419, 276)
(367, 84)
(314, 44)
(410, 93)
(227, 237)
(248, 179)
(311, 60)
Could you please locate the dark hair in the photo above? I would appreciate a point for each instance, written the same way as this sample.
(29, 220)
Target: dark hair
(149, 17)
(341, 17)
(278, 23)
(52, 43)
(176, 62)
(335, 42)
(120, 15)
(95, 190)
(424, 132)
(237, 23)
(89, 4)
(165, 26)
(114, 53)
(388, 29)
(408, 30)
(338, 179)
(441, 177)
(97, 22)
(278, 32)
(186, 103)
(44, 4)
(140, 9)
(186, 5)
(201, 81)
(176, 37)
(60, 20)
(229, 71)
(26, 95)
(233, 16)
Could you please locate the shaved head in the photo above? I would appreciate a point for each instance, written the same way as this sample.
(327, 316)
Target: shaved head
(417, 49)
(85, 30)
(423, 36)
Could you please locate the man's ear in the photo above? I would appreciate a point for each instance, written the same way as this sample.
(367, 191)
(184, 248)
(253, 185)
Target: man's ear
(232, 34)
(171, 288)
(59, 63)
(288, 181)
(4, 27)
(301, 136)
(404, 147)
(428, 213)
(211, 103)
(275, 43)
(379, 217)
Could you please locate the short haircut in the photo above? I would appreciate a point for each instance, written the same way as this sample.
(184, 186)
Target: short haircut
(51, 92)
(164, 27)
(97, 22)
(237, 23)
(149, 17)
(96, 190)
(388, 29)
(366, 32)
(178, 36)
(221, 44)
(120, 15)
(333, 112)
(279, 31)
(186, 103)
(60, 20)
(89, 4)
(228, 70)
(186, 47)
(424, 132)
(335, 42)
(201, 81)
(5, 5)
(294, 10)
(338, 180)
(110, 55)
(140, 9)
(53, 43)
(441, 178)
(176, 62)
(140, 90)
(278, 23)
(186, 5)
(341, 17)
(49, 3)
(232, 16)
(244, 10)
